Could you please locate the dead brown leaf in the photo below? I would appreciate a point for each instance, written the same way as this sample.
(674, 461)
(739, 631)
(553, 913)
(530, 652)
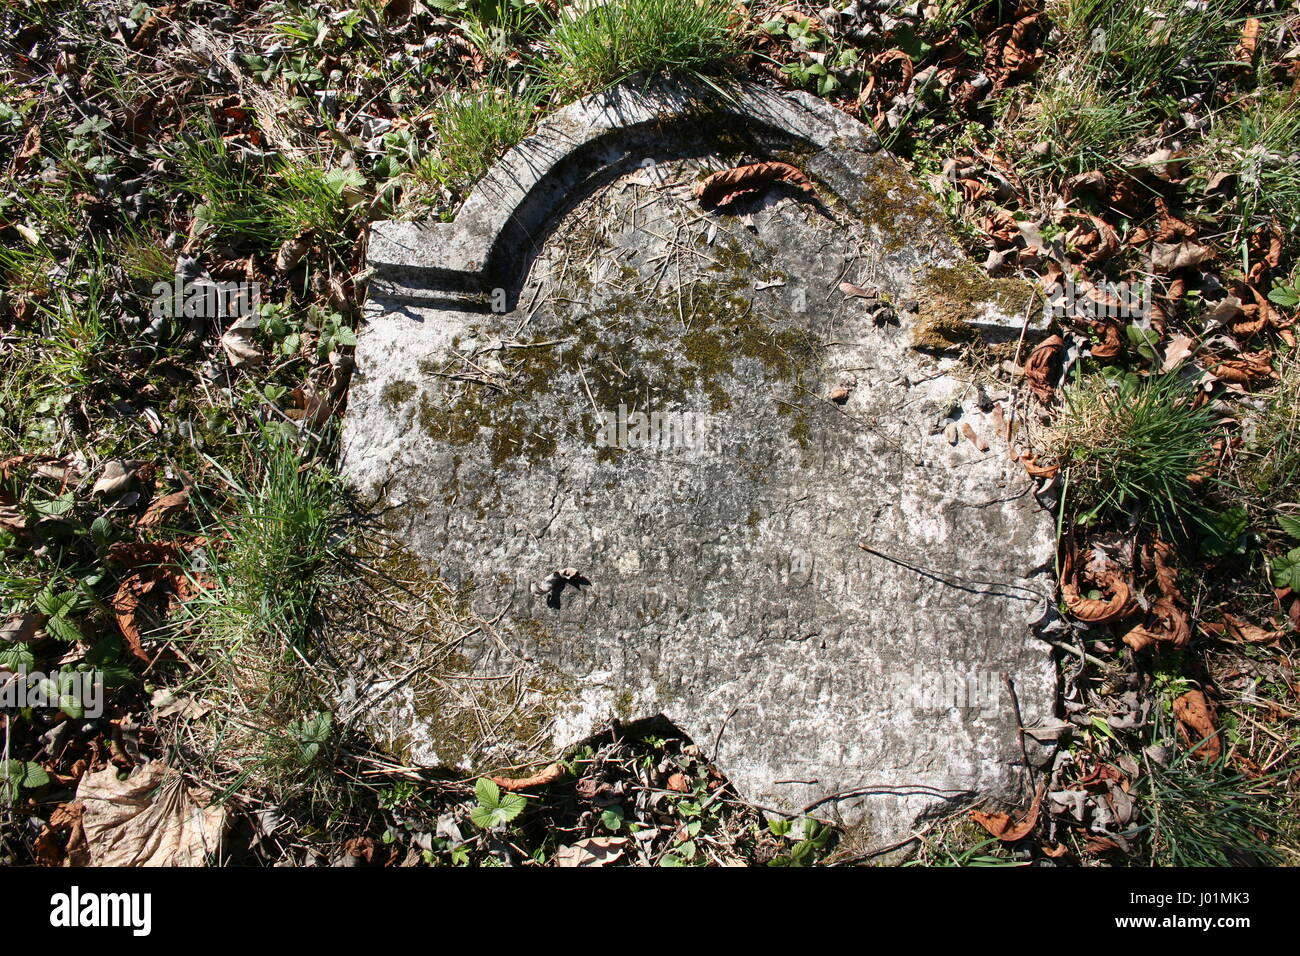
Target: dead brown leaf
(593, 851)
(550, 775)
(1039, 367)
(1168, 256)
(1196, 722)
(1006, 828)
(721, 189)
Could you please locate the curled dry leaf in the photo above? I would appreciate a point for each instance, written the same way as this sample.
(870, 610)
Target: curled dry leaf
(156, 569)
(31, 148)
(1095, 610)
(1006, 828)
(1095, 239)
(1111, 344)
(854, 291)
(974, 439)
(1248, 369)
(164, 509)
(723, 188)
(21, 627)
(1039, 367)
(1196, 723)
(1168, 625)
(1243, 630)
(1035, 470)
(1245, 52)
(292, 251)
(1168, 256)
(550, 775)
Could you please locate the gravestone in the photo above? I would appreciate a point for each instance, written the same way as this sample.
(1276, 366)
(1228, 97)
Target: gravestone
(719, 465)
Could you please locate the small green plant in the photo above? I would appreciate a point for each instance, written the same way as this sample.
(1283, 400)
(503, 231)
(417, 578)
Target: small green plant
(1286, 567)
(19, 775)
(495, 809)
(310, 735)
(608, 43)
(1131, 443)
(808, 841)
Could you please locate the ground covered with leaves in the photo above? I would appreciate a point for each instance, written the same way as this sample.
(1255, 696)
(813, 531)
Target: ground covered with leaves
(170, 518)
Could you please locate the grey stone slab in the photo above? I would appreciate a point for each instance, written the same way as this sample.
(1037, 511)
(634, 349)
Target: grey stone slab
(786, 557)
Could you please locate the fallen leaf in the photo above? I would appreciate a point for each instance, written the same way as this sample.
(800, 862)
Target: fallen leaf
(163, 509)
(975, 439)
(723, 188)
(853, 291)
(1243, 630)
(1178, 348)
(1169, 256)
(593, 851)
(1007, 829)
(152, 818)
(31, 148)
(1094, 610)
(116, 477)
(550, 775)
(153, 565)
(237, 342)
(1039, 367)
(1196, 722)
(292, 251)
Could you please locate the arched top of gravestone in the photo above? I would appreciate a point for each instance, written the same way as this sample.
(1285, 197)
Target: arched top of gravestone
(490, 244)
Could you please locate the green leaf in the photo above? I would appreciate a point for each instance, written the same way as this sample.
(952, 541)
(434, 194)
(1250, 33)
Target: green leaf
(1290, 525)
(1286, 569)
(62, 629)
(34, 776)
(54, 506)
(1286, 296)
(494, 808)
(1225, 532)
(612, 818)
(17, 657)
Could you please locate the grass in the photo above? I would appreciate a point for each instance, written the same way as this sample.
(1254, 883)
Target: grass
(276, 550)
(1130, 445)
(1257, 141)
(474, 130)
(54, 361)
(1152, 48)
(1203, 816)
(609, 43)
(1087, 126)
(266, 202)
(1270, 470)
(280, 538)
(1124, 66)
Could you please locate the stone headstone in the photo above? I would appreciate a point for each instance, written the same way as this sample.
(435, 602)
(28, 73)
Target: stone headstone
(713, 464)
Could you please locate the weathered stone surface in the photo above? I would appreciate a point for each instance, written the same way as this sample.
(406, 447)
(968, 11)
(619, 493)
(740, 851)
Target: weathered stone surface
(788, 558)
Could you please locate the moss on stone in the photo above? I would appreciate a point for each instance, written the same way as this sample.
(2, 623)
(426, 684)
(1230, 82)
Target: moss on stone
(396, 394)
(953, 297)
